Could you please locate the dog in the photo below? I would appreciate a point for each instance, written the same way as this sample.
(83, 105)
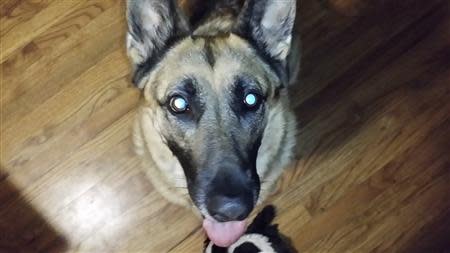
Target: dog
(214, 129)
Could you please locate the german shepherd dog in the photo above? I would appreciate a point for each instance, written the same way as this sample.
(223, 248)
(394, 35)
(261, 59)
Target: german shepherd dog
(215, 129)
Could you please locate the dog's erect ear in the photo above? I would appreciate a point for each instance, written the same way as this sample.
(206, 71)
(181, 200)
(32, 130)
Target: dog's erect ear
(269, 24)
(152, 26)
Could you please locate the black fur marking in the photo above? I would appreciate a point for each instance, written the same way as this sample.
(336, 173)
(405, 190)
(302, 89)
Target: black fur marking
(217, 249)
(135, 28)
(189, 91)
(277, 66)
(237, 104)
(209, 54)
(197, 103)
(243, 86)
(185, 159)
(276, 92)
(246, 247)
(262, 220)
(254, 147)
(253, 153)
(148, 65)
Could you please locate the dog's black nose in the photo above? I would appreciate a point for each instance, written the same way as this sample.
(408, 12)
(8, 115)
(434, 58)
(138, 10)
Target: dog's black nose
(223, 208)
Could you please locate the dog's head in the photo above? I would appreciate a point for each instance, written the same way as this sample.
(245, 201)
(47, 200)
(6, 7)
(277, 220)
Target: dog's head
(212, 88)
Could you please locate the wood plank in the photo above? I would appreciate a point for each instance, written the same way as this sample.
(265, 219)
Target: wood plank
(382, 194)
(18, 62)
(339, 44)
(372, 167)
(74, 56)
(24, 32)
(86, 113)
(13, 12)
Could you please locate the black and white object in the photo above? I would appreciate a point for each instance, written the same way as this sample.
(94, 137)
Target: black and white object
(261, 236)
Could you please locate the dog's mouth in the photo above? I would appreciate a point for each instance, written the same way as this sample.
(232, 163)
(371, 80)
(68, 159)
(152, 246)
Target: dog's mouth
(225, 204)
(224, 234)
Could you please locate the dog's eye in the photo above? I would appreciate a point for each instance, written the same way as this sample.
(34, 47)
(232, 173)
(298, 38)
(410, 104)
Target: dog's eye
(252, 100)
(178, 104)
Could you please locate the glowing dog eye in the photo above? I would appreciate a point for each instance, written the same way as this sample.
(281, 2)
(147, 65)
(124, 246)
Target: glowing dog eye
(251, 100)
(178, 104)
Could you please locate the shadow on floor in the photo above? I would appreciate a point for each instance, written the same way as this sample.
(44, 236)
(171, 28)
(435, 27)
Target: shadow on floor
(22, 228)
(434, 237)
(336, 94)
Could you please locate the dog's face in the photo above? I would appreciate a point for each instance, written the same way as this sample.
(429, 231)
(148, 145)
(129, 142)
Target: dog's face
(211, 91)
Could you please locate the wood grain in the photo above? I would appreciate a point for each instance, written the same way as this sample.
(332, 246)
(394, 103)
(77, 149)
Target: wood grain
(373, 161)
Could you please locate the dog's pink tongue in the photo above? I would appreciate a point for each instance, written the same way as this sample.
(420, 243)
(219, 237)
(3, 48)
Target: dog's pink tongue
(223, 234)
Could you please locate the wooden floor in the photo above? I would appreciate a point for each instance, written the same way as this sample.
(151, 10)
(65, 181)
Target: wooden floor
(373, 102)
